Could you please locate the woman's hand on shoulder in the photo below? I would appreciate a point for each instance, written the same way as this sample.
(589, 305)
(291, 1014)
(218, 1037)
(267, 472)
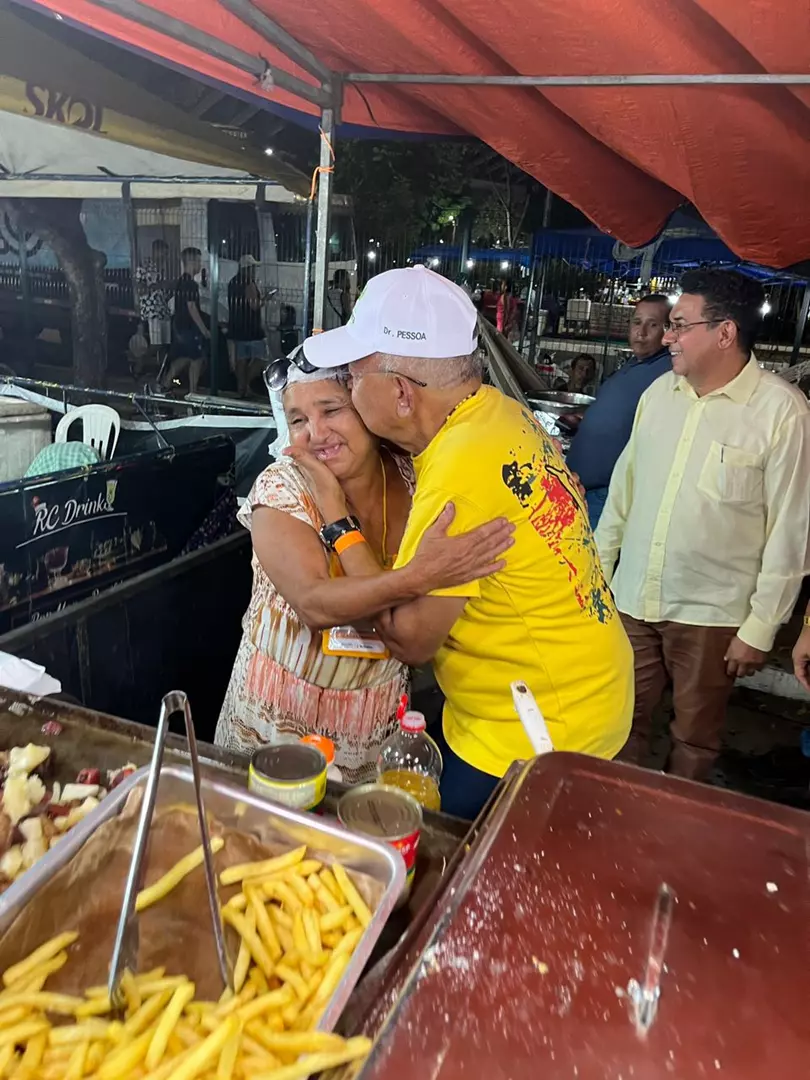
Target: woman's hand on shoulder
(324, 484)
(442, 561)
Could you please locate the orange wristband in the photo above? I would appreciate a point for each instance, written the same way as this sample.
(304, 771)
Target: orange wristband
(348, 540)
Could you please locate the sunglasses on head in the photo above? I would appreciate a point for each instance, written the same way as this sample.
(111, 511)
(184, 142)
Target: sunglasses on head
(277, 373)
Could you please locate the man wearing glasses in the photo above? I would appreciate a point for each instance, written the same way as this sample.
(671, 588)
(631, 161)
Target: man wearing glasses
(708, 516)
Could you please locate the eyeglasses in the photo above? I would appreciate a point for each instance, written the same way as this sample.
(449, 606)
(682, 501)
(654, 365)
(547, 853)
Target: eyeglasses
(401, 374)
(277, 373)
(679, 329)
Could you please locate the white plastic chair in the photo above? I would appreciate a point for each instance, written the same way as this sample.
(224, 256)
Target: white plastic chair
(101, 427)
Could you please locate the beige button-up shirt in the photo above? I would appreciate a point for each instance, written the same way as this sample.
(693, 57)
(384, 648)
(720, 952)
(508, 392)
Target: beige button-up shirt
(709, 506)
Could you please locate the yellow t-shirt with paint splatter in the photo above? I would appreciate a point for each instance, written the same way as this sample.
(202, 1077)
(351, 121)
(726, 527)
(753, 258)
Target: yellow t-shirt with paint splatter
(548, 617)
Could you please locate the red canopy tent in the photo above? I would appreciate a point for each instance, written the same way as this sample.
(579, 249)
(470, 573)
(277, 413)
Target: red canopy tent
(638, 107)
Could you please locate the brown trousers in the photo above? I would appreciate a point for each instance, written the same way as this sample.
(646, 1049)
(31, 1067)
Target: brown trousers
(691, 658)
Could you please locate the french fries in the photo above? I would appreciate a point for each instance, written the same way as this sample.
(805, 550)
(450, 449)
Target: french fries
(39, 956)
(162, 887)
(248, 934)
(297, 923)
(261, 869)
(353, 897)
(263, 924)
(242, 965)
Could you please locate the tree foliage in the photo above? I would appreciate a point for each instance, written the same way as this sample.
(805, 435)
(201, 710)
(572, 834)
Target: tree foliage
(404, 189)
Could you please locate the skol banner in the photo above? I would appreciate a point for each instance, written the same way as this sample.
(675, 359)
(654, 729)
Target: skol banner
(46, 79)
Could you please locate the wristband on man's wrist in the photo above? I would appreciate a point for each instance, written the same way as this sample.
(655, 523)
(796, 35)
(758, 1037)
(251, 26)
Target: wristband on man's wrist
(806, 620)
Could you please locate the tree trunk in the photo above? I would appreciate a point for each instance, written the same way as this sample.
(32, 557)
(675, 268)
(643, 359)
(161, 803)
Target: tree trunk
(522, 215)
(58, 224)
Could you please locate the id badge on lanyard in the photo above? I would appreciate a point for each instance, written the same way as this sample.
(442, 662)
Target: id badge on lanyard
(362, 642)
(351, 641)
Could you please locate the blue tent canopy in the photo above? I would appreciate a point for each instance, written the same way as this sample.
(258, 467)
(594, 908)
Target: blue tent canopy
(589, 249)
(596, 251)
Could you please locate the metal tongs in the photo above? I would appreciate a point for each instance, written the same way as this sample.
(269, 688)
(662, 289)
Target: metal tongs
(125, 950)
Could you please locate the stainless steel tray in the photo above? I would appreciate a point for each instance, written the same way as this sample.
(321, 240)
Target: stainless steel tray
(274, 826)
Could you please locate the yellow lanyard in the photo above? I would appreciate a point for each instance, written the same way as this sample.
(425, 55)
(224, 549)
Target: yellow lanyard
(385, 561)
(384, 544)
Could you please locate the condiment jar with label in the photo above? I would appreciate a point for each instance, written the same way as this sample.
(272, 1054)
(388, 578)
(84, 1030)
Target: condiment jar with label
(290, 774)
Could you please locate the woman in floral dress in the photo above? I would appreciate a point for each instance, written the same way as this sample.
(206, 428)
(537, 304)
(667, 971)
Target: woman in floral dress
(292, 675)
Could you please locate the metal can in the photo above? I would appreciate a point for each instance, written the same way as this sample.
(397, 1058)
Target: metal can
(386, 813)
(291, 774)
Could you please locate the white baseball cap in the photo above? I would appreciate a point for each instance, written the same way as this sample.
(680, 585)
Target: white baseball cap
(411, 312)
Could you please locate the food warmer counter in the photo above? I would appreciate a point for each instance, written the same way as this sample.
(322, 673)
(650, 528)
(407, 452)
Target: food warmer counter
(608, 922)
(597, 921)
(93, 740)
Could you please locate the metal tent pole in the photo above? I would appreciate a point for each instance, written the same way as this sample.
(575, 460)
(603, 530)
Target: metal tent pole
(256, 19)
(529, 297)
(465, 224)
(116, 178)
(801, 323)
(132, 237)
(325, 174)
(266, 74)
(541, 285)
(465, 252)
(746, 79)
(214, 238)
(25, 291)
(306, 320)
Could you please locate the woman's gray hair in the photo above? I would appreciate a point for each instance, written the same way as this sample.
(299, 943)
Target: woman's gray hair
(440, 373)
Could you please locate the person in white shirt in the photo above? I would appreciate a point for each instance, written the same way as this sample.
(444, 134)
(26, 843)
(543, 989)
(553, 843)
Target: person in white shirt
(708, 515)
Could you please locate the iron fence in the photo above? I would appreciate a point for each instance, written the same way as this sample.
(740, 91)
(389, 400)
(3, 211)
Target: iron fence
(35, 305)
(574, 293)
(573, 289)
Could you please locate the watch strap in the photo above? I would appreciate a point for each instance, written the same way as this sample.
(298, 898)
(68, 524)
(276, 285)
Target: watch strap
(332, 532)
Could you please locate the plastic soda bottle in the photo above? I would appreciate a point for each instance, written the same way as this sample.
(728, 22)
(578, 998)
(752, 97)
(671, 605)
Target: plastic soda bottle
(411, 760)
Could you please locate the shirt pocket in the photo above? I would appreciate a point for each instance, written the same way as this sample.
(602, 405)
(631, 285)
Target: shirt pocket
(731, 475)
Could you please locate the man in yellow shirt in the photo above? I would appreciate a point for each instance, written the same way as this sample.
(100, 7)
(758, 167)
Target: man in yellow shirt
(709, 506)
(547, 617)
